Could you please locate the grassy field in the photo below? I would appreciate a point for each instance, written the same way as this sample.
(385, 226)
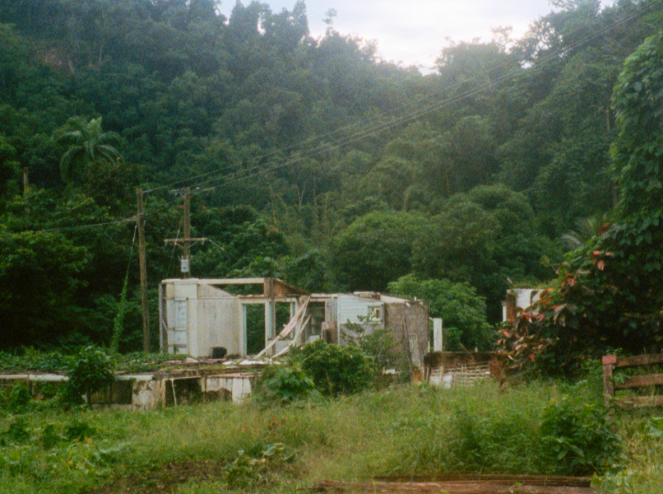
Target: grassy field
(221, 447)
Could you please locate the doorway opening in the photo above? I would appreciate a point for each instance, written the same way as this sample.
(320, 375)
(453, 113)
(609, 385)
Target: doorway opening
(254, 326)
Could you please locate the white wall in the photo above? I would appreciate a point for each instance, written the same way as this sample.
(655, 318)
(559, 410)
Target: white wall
(201, 317)
(524, 298)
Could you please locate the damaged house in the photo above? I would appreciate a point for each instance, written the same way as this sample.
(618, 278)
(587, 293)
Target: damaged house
(266, 317)
(214, 320)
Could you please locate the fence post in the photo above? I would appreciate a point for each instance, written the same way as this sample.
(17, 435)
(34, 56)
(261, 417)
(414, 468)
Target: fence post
(609, 362)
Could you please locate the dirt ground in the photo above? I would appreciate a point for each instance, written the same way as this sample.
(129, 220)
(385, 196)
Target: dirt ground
(164, 480)
(168, 478)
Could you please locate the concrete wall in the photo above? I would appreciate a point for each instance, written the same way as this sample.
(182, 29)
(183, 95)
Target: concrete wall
(219, 321)
(147, 395)
(235, 387)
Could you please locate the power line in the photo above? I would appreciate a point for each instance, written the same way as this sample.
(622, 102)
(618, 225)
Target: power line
(66, 228)
(174, 247)
(311, 139)
(422, 111)
(85, 225)
(325, 147)
(353, 137)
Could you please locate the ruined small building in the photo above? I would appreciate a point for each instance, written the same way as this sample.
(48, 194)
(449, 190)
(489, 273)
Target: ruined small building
(266, 317)
(408, 319)
(213, 320)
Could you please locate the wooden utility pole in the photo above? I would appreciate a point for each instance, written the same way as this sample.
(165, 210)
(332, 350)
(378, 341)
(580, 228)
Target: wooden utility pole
(187, 232)
(140, 219)
(187, 241)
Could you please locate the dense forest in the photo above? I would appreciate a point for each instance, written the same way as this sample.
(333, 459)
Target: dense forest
(309, 159)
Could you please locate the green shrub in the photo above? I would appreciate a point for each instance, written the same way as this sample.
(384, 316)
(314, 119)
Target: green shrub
(335, 369)
(463, 310)
(49, 436)
(17, 432)
(379, 344)
(31, 359)
(19, 398)
(249, 470)
(91, 371)
(284, 384)
(578, 437)
(78, 431)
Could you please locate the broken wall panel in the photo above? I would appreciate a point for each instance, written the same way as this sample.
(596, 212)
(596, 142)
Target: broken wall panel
(234, 387)
(409, 322)
(151, 390)
(351, 309)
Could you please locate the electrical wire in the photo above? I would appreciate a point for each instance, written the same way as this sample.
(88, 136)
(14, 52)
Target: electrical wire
(132, 219)
(421, 112)
(308, 140)
(222, 249)
(66, 228)
(131, 252)
(325, 147)
(175, 247)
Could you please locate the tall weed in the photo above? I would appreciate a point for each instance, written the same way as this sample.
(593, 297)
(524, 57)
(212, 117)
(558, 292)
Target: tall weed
(406, 430)
(578, 438)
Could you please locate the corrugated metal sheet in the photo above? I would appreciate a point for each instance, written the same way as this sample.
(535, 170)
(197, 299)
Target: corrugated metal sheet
(177, 320)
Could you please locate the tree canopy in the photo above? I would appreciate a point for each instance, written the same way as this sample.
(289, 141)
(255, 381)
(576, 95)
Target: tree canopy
(313, 159)
(609, 294)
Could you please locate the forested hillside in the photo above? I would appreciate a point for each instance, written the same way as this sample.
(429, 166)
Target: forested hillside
(308, 158)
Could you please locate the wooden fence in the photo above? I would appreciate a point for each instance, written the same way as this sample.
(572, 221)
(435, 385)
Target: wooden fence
(612, 362)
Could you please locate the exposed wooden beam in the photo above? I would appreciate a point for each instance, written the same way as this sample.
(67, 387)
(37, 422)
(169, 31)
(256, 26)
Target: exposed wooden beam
(640, 401)
(231, 281)
(638, 360)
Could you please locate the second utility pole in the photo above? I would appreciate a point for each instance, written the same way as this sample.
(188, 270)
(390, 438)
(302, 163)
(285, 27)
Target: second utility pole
(140, 221)
(187, 232)
(186, 242)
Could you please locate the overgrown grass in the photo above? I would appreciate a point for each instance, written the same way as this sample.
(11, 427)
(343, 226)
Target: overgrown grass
(406, 431)
(643, 439)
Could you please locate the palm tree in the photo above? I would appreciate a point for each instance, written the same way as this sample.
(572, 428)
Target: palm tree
(586, 228)
(87, 144)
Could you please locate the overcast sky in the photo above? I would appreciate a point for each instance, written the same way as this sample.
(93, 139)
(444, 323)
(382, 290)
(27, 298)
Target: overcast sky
(414, 32)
